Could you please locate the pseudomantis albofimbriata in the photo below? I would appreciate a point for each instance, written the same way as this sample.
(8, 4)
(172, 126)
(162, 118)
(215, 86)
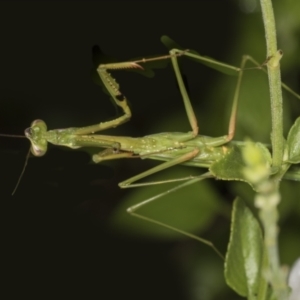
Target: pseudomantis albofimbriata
(174, 148)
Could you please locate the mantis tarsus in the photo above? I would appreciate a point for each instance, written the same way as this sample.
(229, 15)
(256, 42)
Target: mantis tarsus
(214, 153)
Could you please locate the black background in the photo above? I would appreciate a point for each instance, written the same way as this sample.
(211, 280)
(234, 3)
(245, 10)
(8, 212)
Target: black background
(55, 234)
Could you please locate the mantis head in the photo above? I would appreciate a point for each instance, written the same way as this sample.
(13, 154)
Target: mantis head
(36, 134)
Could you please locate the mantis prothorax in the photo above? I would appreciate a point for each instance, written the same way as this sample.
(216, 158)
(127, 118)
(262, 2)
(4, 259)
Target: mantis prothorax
(174, 148)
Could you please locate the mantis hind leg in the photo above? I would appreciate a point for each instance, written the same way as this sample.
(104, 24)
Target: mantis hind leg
(227, 69)
(129, 183)
(133, 211)
(188, 181)
(186, 100)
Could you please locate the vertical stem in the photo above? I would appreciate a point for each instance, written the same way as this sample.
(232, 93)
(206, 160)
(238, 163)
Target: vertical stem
(267, 201)
(269, 197)
(274, 82)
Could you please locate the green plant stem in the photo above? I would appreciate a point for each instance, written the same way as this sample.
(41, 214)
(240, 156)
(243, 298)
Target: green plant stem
(267, 200)
(274, 83)
(269, 197)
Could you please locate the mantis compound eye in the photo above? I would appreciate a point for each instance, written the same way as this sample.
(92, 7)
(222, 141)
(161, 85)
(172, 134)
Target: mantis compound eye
(115, 150)
(36, 135)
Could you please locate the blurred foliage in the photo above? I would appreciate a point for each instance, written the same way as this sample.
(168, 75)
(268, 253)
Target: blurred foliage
(254, 119)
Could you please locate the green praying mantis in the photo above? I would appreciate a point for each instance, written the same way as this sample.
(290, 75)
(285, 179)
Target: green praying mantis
(220, 155)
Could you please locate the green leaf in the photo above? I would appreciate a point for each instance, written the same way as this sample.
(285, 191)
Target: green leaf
(232, 166)
(293, 143)
(244, 257)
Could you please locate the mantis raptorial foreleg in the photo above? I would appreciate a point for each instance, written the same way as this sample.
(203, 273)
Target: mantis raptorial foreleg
(84, 136)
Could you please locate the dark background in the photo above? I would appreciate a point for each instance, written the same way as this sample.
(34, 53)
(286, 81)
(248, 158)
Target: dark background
(61, 234)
